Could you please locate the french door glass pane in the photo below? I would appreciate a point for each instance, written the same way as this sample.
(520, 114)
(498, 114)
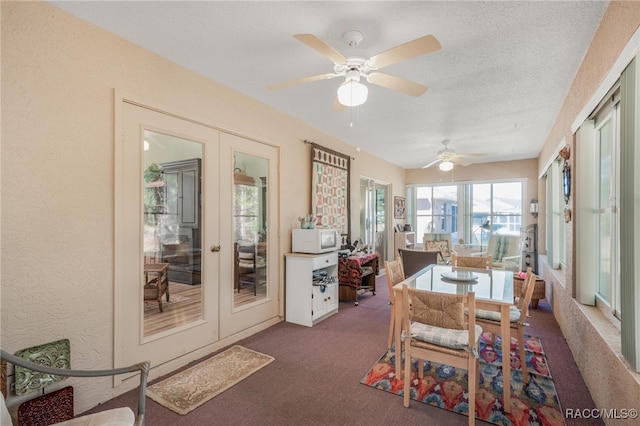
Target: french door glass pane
(172, 231)
(366, 211)
(381, 217)
(250, 228)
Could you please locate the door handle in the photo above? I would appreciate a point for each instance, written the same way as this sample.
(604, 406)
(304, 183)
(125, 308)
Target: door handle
(215, 248)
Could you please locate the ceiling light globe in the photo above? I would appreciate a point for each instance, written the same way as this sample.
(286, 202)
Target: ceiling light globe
(352, 93)
(445, 166)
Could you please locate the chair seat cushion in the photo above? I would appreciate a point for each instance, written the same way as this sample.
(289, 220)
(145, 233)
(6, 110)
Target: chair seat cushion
(454, 339)
(514, 314)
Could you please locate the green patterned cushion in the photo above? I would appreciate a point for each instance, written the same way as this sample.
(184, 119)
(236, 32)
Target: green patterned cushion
(54, 354)
(502, 248)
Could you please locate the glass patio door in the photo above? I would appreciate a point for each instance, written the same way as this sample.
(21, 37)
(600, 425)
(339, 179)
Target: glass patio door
(374, 216)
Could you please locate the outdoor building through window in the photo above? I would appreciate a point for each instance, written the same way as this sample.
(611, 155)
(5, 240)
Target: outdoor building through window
(470, 212)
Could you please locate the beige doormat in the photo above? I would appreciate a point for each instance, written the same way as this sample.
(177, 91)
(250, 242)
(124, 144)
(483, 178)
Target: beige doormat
(189, 389)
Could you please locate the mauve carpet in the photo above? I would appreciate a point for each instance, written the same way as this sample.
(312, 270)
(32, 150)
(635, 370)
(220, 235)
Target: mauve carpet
(315, 378)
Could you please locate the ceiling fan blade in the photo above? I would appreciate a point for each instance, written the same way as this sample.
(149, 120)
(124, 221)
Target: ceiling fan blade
(337, 106)
(320, 46)
(460, 161)
(302, 80)
(472, 154)
(408, 50)
(434, 162)
(396, 83)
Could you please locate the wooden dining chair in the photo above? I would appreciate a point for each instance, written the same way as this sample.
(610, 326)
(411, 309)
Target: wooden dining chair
(490, 321)
(395, 274)
(438, 332)
(248, 267)
(158, 284)
(485, 262)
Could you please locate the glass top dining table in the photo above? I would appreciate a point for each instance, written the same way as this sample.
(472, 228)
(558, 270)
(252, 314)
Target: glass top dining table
(493, 291)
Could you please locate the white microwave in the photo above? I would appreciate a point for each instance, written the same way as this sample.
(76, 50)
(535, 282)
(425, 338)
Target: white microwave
(319, 240)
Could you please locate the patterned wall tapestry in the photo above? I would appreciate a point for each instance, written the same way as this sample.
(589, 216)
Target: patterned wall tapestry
(330, 189)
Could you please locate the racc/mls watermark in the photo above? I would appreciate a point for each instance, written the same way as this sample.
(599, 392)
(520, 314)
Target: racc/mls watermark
(601, 413)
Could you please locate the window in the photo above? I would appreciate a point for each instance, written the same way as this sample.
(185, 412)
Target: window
(607, 134)
(469, 212)
(556, 232)
(436, 209)
(598, 274)
(606, 229)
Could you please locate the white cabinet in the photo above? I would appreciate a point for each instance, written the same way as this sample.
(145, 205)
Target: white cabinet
(325, 300)
(311, 287)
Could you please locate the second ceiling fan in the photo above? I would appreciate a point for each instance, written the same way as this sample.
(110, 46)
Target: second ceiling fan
(352, 92)
(448, 157)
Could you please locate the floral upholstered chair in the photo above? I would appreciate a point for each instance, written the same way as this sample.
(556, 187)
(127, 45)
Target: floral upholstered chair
(441, 243)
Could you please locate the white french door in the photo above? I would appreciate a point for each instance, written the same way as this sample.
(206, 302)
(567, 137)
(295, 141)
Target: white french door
(248, 218)
(179, 207)
(178, 227)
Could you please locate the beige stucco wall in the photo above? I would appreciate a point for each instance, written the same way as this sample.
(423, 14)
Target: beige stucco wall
(594, 342)
(520, 169)
(58, 79)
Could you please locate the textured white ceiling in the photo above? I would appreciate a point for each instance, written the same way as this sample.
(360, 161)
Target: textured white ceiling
(496, 85)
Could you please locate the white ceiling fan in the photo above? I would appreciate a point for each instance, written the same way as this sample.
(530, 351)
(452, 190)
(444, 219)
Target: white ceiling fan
(352, 92)
(448, 157)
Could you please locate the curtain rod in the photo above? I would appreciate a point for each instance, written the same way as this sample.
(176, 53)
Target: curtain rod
(328, 149)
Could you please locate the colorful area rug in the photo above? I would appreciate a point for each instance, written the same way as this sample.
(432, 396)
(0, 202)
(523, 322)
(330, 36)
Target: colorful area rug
(446, 387)
(189, 389)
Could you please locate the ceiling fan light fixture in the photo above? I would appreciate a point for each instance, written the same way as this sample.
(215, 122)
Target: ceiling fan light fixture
(445, 166)
(352, 93)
